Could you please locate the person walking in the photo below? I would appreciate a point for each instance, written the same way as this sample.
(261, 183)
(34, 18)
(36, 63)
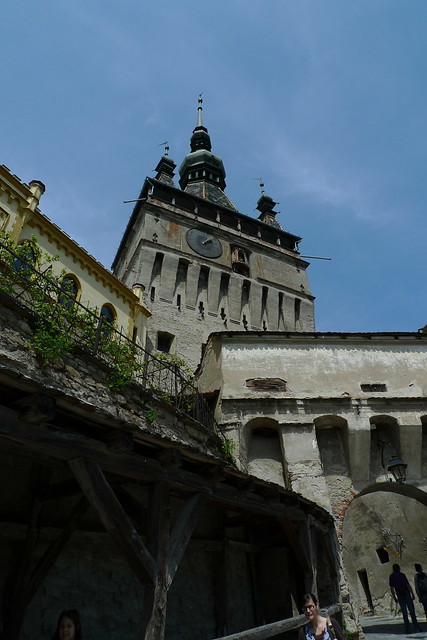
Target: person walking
(420, 581)
(402, 593)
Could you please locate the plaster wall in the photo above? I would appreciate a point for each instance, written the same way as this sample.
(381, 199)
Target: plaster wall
(329, 370)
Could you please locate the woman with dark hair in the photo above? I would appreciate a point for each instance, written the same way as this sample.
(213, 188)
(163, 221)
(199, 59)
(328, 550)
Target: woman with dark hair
(317, 627)
(68, 626)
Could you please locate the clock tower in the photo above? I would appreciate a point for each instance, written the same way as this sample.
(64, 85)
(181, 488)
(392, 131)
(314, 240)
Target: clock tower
(201, 265)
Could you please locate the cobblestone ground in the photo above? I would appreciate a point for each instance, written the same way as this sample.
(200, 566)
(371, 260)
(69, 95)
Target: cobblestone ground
(389, 628)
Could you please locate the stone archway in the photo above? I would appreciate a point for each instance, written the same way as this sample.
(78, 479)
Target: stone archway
(384, 524)
(264, 450)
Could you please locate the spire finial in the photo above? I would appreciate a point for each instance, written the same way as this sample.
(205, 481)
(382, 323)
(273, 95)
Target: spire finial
(261, 185)
(200, 111)
(165, 144)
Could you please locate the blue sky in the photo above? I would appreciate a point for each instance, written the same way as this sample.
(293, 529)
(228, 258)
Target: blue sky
(323, 99)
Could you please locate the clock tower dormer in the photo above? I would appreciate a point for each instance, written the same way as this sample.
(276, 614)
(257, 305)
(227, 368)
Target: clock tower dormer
(204, 266)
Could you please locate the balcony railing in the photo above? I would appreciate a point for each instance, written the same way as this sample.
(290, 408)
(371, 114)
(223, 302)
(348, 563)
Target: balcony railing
(40, 295)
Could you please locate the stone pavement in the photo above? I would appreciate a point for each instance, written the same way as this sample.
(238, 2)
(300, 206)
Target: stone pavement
(390, 628)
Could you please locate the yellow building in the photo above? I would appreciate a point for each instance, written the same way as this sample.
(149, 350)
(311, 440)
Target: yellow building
(90, 282)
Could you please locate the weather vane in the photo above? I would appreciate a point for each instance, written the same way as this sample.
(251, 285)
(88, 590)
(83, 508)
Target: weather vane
(165, 144)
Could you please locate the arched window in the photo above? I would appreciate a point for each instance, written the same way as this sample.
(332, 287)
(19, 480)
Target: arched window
(240, 261)
(264, 450)
(108, 317)
(26, 258)
(332, 440)
(69, 291)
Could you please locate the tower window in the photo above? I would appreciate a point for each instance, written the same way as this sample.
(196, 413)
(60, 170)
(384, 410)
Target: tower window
(202, 285)
(280, 319)
(152, 294)
(157, 267)
(246, 288)
(297, 309)
(224, 284)
(164, 341)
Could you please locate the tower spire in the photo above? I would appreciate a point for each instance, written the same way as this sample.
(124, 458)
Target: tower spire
(201, 172)
(200, 111)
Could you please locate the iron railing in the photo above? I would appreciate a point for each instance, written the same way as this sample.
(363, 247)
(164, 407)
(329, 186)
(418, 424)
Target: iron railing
(38, 291)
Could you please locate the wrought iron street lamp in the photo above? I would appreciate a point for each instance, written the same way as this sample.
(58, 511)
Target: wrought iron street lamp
(397, 468)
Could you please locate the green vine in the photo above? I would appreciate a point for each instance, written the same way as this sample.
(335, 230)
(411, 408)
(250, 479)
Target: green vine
(226, 450)
(60, 323)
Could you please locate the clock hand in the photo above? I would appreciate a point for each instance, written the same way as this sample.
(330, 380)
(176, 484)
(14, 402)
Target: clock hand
(207, 241)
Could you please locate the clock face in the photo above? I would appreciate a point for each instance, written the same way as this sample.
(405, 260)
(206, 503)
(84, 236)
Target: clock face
(204, 243)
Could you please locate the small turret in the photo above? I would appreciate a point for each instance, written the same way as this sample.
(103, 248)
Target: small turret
(266, 205)
(166, 169)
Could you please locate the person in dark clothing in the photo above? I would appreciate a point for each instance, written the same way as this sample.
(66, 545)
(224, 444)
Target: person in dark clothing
(420, 581)
(318, 627)
(402, 593)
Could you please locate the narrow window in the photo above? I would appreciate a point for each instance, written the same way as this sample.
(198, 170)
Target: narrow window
(246, 288)
(264, 297)
(181, 276)
(152, 294)
(297, 309)
(157, 267)
(202, 285)
(178, 301)
(280, 314)
(224, 284)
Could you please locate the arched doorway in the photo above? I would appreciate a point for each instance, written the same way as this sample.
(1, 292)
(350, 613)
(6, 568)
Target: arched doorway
(383, 525)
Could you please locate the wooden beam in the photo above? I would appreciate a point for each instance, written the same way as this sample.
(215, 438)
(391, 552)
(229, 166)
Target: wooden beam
(59, 490)
(182, 532)
(62, 445)
(114, 518)
(328, 554)
(296, 546)
(277, 628)
(37, 408)
(131, 505)
(120, 442)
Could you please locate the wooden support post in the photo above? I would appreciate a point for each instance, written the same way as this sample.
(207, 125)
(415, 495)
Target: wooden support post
(114, 518)
(155, 595)
(168, 552)
(182, 532)
(296, 546)
(221, 583)
(305, 538)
